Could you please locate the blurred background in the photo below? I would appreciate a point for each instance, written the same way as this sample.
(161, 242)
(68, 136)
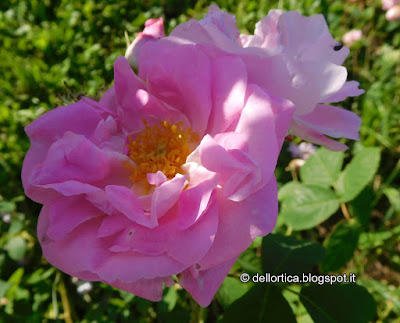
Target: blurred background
(53, 52)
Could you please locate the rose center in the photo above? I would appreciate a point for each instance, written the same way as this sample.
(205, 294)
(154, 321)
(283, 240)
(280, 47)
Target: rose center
(162, 147)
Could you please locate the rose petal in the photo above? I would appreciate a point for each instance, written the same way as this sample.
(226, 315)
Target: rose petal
(128, 204)
(151, 289)
(157, 178)
(194, 200)
(240, 222)
(315, 137)
(112, 224)
(204, 287)
(332, 121)
(78, 158)
(129, 267)
(191, 245)
(165, 196)
(68, 254)
(181, 77)
(229, 88)
(257, 124)
(349, 89)
(67, 213)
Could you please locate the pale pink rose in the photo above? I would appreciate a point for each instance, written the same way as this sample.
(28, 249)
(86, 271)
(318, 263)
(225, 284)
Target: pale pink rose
(387, 4)
(154, 29)
(293, 57)
(171, 173)
(352, 36)
(393, 13)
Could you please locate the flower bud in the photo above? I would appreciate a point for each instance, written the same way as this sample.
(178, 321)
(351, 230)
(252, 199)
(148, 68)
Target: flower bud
(154, 29)
(393, 13)
(350, 37)
(387, 4)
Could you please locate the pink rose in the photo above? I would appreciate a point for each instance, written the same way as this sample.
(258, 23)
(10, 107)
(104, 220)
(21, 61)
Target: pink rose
(387, 4)
(171, 173)
(393, 14)
(352, 36)
(292, 57)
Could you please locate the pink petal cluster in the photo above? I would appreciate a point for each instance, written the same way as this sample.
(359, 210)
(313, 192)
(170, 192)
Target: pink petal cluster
(351, 36)
(116, 211)
(292, 57)
(393, 9)
(98, 225)
(388, 4)
(393, 14)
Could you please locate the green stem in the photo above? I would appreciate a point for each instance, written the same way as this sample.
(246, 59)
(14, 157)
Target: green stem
(65, 302)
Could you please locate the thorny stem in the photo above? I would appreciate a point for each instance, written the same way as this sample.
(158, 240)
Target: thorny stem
(65, 303)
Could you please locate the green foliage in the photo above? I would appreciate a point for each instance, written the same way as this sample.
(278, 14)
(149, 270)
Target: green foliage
(289, 255)
(308, 205)
(358, 173)
(263, 303)
(338, 303)
(322, 168)
(340, 246)
(342, 216)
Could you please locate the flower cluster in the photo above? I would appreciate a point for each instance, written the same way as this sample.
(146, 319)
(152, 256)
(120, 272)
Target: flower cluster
(170, 176)
(392, 8)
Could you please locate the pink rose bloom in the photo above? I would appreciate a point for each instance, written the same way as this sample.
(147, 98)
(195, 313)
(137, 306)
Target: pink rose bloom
(387, 4)
(352, 36)
(171, 173)
(292, 57)
(393, 14)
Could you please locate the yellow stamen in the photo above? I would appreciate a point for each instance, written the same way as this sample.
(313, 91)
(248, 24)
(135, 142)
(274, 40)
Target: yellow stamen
(163, 147)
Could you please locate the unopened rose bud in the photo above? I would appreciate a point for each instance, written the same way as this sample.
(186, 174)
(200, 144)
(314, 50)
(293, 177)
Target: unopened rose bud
(387, 4)
(154, 29)
(350, 37)
(393, 13)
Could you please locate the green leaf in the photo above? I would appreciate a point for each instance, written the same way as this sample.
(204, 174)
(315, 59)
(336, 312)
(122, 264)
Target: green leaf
(263, 303)
(308, 206)
(383, 293)
(16, 248)
(288, 189)
(4, 286)
(322, 167)
(6, 207)
(16, 277)
(40, 275)
(281, 254)
(358, 173)
(393, 196)
(249, 261)
(15, 227)
(361, 206)
(371, 240)
(340, 246)
(170, 298)
(338, 303)
(231, 290)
